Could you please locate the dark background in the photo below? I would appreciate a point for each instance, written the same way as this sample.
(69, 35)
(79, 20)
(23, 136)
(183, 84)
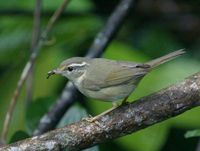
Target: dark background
(152, 29)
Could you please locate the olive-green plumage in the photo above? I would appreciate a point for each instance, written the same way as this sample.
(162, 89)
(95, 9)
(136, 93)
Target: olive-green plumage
(105, 79)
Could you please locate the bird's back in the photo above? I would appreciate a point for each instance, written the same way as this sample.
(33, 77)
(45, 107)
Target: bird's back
(111, 72)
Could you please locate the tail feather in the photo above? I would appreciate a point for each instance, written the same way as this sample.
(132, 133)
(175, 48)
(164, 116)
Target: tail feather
(156, 62)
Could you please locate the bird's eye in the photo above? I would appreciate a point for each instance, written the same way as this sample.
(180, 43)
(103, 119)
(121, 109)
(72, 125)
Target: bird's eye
(70, 69)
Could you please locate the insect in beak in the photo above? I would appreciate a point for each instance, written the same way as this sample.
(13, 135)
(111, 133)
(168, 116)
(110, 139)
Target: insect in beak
(52, 72)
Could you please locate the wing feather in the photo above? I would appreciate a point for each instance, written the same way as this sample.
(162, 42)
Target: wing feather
(120, 75)
(125, 75)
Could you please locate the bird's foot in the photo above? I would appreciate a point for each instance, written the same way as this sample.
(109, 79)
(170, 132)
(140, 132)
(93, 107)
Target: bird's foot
(95, 118)
(125, 101)
(91, 119)
(87, 118)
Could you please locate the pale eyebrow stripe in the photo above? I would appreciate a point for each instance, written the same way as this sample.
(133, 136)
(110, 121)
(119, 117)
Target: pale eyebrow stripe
(79, 65)
(62, 68)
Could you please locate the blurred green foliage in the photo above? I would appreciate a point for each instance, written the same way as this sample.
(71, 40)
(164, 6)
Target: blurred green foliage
(193, 133)
(19, 135)
(150, 34)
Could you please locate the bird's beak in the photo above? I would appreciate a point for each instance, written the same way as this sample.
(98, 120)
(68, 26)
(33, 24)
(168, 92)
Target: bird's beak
(52, 72)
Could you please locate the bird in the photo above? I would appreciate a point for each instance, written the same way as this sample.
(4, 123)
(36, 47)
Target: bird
(106, 79)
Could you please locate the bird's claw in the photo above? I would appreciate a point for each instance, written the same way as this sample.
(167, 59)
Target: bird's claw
(91, 119)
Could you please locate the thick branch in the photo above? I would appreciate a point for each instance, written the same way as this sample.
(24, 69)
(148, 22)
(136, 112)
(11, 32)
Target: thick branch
(103, 38)
(124, 120)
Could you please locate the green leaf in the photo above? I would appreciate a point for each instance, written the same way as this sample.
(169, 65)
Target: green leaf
(193, 133)
(35, 111)
(19, 135)
(78, 5)
(74, 114)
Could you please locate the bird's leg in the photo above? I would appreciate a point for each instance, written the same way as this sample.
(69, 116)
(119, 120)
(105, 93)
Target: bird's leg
(92, 119)
(115, 105)
(125, 100)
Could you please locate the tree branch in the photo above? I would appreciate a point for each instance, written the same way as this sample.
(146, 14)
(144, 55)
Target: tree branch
(34, 42)
(126, 119)
(103, 38)
(28, 67)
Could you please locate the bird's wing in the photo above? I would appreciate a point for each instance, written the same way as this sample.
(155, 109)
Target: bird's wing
(91, 85)
(125, 74)
(120, 75)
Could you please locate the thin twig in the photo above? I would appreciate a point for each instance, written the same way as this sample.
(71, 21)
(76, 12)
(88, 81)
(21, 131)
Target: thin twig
(103, 38)
(106, 35)
(28, 66)
(126, 119)
(34, 42)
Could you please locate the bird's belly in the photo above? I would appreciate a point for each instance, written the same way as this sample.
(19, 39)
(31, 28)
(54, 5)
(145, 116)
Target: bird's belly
(113, 93)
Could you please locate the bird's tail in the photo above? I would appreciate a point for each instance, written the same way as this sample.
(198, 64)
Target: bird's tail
(156, 62)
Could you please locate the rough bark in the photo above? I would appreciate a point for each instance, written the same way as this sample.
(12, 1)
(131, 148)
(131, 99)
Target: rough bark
(124, 120)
